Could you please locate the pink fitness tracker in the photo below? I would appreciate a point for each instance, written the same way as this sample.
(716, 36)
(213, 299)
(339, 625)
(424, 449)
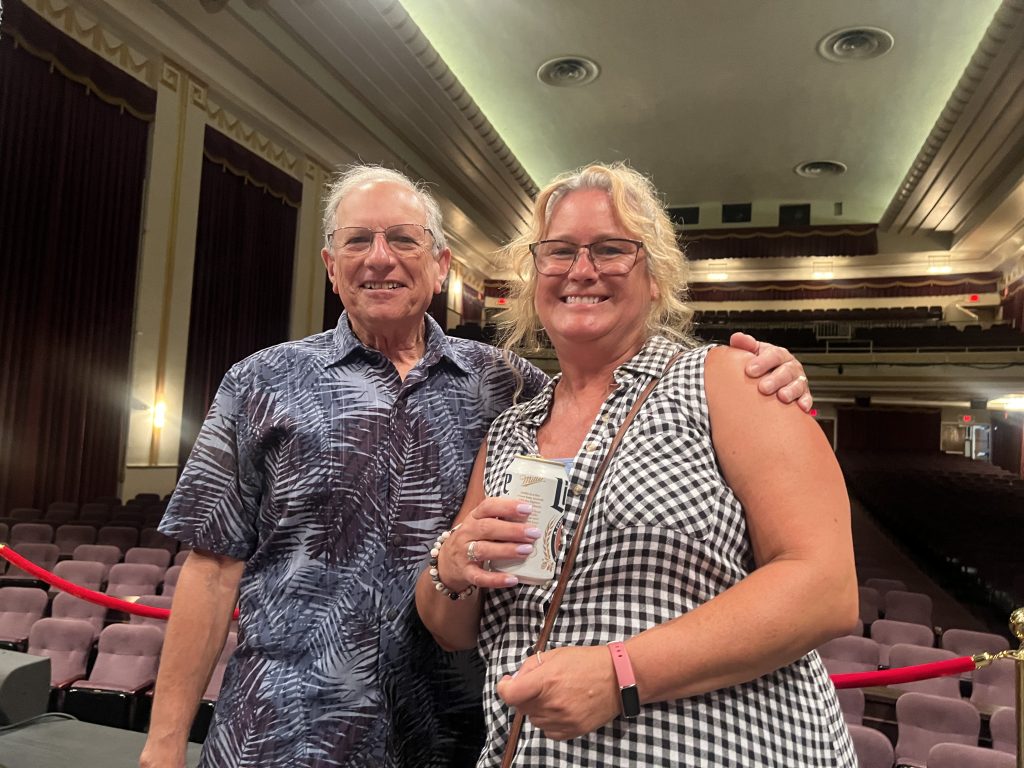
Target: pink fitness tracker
(627, 680)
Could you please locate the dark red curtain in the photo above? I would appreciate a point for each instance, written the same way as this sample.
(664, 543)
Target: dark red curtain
(757, 242)
(889, 430)
(72, 165)
(333, 306)
(873, 287)
(242, 279)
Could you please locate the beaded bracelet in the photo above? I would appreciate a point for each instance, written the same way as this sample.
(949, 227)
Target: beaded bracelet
(435, 577)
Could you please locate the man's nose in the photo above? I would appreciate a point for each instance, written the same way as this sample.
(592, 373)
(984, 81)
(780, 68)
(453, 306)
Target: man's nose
(380, 251)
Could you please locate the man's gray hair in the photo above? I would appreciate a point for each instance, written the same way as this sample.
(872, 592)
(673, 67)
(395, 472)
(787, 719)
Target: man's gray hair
(355, 175)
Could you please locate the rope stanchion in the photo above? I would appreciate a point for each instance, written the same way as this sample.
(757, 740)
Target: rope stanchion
(77, 590)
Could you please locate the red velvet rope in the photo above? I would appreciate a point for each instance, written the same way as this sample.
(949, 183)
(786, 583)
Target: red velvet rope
(81, 592)
(852, 680)
(904, 674)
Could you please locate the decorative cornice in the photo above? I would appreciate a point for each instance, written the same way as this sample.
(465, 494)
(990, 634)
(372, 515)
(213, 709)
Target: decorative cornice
(170, 76)
(403, 25)
(1006, 19)
(87, 31)
(250, 138)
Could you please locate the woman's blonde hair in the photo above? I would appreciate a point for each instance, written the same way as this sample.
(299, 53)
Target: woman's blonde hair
(640, 211)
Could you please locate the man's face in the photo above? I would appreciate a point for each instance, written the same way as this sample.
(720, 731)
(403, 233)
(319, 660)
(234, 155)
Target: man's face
(385, 292)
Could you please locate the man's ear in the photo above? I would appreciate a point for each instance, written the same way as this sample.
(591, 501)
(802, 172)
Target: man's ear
(443, 262)
(325, 254)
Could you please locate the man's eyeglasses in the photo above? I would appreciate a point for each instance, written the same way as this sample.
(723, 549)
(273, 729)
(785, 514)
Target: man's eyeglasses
(609, 257)
(402, 239)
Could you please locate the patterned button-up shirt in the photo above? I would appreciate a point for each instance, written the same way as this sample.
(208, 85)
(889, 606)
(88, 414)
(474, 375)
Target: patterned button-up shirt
(330, 477)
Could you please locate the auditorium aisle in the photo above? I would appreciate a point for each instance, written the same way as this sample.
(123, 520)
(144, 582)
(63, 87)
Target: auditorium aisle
(878, 556)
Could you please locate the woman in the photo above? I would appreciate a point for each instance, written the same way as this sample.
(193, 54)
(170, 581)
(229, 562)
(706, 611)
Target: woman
(718, 547)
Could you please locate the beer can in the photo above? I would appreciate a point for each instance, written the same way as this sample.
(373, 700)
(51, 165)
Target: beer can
(542, 484)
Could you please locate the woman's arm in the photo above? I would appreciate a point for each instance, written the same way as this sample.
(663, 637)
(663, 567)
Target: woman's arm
(455, 624)
(803, 591)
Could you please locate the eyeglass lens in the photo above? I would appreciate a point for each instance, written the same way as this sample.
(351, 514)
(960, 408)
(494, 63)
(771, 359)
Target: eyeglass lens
(610, 257)
(401, 238)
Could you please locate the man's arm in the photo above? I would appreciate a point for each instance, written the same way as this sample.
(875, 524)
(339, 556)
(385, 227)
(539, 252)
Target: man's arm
(200, 615)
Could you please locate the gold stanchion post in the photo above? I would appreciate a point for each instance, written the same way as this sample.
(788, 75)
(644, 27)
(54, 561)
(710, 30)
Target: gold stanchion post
(1017, 626)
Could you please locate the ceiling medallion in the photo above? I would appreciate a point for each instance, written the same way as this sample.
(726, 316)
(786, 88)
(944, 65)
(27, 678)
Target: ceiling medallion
(568, 71)
(855, 44)
(817, 169)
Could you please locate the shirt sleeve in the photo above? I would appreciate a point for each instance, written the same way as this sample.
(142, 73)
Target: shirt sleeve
(215, 504)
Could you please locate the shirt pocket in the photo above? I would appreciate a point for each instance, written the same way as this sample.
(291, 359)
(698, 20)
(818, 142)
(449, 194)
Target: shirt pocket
(663, 476)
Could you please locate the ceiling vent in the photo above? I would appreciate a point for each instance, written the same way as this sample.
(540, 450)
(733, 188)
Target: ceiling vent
(568, 71)
(816, 169)
(855, 44)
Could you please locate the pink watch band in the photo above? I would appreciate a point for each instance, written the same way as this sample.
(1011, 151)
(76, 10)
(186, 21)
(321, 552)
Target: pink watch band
(620, 660)
(628, 694)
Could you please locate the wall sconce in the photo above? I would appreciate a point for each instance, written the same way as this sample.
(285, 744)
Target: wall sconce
(159, 414)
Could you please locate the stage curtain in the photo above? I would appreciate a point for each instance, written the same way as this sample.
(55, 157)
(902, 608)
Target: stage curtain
(1013, 305)
(242, 278)
(73, 143)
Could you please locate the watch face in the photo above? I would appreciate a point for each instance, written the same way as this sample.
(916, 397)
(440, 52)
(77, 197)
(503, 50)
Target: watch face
(630, 701)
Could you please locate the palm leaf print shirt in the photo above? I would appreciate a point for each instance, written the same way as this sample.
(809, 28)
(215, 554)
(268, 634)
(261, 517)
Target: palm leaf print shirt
(330, 477)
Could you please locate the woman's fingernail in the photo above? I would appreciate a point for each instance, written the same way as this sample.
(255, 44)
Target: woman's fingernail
(511, 581)
(532, 533)
(524, 549)
(524, 509)
(755, 369)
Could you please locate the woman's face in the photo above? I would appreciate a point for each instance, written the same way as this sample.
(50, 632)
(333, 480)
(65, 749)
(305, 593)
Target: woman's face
(585, 306)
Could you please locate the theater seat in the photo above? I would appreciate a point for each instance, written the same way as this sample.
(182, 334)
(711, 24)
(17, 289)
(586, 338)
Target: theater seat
(43, 555)
(67, 537)
(913, 607)
(125, 667)
(924, 720)
(67, 606)
(964, 756)
(31, 533)
(849, 653)
(204, 716)
(170, 581)
(20, 608)
(82, 572)
(133, 579)
(994, 685)
(67, 643)
(153, 601)
(98, 553)
(149, 555)
(872, 747)
(1003, 726)
(889, 633)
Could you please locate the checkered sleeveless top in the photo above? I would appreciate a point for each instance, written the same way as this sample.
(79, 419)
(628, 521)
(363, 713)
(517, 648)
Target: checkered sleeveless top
(665, 535)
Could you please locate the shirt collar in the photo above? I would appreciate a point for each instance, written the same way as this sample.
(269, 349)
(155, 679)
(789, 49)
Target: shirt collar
(438, 345)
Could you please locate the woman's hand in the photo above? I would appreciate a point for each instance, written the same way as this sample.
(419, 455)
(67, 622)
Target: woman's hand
(566, 692)
(496, 529)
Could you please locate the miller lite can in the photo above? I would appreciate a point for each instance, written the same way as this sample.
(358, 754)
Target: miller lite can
(542, 484)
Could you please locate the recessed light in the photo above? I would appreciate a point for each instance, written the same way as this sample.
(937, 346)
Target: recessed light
(855, 44)
(816, 169)
(568, 71)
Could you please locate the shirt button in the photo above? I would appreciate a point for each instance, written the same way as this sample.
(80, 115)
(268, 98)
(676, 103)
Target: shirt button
(392, 614)
(577, 489)
(395, 539)
(593, 445)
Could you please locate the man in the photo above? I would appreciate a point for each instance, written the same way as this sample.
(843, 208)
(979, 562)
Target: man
(324, 471)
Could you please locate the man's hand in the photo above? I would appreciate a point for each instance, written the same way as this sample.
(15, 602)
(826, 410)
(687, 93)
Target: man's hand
(777, 371)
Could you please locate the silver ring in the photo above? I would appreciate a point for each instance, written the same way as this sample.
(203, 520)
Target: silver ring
(471, 552)
(801, 377)
(539, 662)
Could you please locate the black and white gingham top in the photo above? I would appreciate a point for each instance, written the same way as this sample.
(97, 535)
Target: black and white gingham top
(665, 535)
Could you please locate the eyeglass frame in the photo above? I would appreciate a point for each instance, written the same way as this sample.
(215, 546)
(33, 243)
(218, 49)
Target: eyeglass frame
(375, 232)
(590, 254)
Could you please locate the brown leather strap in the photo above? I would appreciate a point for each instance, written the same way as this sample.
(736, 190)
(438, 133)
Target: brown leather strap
(570, 556)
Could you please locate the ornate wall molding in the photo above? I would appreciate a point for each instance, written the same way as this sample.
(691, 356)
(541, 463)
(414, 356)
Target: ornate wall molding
(414, 39)
(87, 31)
(999, 34)
(252, 139)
